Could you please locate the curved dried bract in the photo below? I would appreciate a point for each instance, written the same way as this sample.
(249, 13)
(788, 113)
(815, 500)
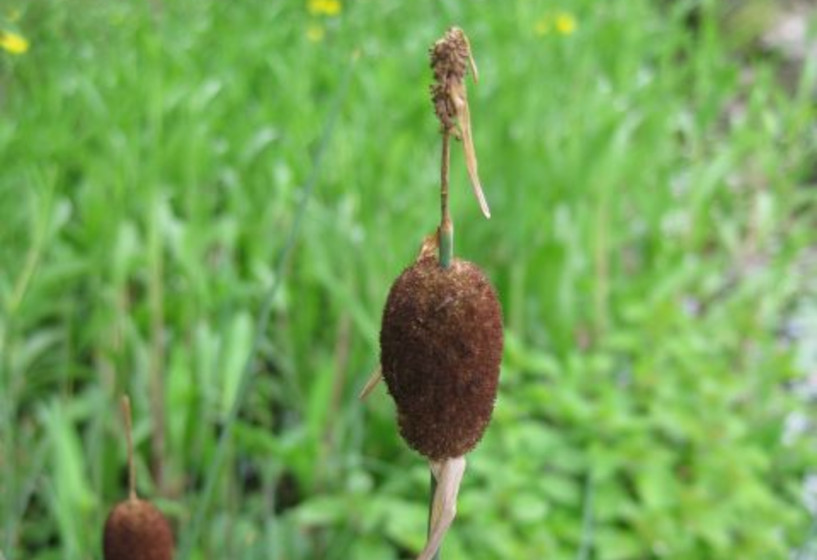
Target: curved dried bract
(448, 474)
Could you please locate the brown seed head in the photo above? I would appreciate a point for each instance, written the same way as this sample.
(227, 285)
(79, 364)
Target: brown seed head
(136, 530)
(441, 345)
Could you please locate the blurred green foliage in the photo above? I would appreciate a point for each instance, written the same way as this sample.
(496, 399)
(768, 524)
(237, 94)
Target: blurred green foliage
(650, 243)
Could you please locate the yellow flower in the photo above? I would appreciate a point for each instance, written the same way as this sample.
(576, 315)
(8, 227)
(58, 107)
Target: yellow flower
(324, 7)
(565, 23)
(315, 32)
(13, 43)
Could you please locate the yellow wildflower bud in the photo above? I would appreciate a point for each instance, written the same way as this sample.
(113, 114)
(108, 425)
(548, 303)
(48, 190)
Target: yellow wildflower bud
(324, 7)
(565, 23)
(13, 43)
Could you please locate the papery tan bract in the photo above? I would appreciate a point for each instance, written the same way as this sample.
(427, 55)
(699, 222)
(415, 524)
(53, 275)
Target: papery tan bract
(137, 530)
(441, 346)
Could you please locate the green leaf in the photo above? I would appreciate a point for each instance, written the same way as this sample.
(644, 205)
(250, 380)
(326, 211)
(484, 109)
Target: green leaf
(616, 544)
(235, 355)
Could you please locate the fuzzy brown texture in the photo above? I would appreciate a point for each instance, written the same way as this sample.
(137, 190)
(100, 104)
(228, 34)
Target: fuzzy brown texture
(136, 530)
(450, 57)
(440, 346)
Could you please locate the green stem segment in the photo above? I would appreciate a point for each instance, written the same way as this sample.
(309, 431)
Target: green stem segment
(446, 231)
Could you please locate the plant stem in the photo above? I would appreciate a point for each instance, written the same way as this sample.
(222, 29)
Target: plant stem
(126, 414)
(156, 387)
(446, 225)
(588, 521)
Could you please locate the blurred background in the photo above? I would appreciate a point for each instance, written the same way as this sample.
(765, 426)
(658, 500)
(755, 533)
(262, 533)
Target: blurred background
(170, 170)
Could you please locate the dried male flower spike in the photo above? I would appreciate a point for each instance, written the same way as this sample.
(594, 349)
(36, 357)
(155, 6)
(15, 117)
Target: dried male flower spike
(450, 58)
(135, 529)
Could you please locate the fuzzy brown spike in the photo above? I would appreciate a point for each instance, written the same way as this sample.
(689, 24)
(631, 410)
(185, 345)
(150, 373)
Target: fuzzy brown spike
(441, 345)
(136, 530)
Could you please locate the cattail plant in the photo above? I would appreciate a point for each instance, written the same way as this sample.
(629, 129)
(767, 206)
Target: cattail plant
(441, 335)
(135, 528)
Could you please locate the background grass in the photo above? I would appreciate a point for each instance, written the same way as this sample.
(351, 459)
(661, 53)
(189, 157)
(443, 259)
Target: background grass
(652, 243)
